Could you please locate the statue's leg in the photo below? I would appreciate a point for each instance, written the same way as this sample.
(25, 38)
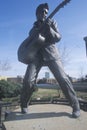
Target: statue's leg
(66, 85)
(28, 84)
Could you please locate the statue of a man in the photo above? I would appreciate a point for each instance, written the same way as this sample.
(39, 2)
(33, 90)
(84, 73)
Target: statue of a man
(47, 55)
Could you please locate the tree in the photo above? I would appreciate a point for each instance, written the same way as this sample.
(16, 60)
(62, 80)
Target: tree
(64, 55)
(4, 65)
(8, 89)
(42, 81)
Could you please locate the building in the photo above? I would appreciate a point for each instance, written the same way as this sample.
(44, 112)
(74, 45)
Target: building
(17, 79)
(47, 75)
(52, 81)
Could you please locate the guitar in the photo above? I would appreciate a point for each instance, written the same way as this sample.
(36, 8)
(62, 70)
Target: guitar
(31, 45)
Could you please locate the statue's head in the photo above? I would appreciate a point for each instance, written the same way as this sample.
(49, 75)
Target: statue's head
(42, 11)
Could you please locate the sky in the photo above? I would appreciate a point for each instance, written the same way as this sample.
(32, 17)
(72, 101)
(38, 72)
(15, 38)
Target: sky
(16, 20)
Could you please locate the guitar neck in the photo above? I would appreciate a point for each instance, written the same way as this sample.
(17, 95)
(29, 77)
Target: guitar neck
(61, 5)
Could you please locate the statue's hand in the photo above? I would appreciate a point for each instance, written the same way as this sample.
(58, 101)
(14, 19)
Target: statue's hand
(49, 22)
(48, 26)
(54, 25)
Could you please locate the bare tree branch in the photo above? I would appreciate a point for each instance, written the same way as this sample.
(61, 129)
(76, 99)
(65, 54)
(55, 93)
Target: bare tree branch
(65, 55)
(5, 65)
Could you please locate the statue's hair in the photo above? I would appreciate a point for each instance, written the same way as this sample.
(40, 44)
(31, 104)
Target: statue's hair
(41, 6)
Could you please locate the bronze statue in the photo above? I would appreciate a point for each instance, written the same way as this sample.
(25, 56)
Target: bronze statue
(30, 46)
(46, 55)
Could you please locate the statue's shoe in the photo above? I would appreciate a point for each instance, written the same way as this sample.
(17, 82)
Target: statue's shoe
(24, 110)
(76, 111)
(76, 114)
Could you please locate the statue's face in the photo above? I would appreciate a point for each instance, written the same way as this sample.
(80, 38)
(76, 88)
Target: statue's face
(42, 14)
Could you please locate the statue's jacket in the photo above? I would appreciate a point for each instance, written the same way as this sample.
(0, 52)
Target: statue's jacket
(49, 50)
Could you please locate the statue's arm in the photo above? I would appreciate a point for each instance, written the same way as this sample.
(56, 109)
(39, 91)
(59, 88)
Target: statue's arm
(52, 31)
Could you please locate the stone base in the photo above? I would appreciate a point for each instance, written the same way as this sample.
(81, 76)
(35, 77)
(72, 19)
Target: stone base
(46, 117)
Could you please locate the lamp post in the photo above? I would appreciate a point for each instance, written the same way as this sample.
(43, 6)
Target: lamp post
(85, 38)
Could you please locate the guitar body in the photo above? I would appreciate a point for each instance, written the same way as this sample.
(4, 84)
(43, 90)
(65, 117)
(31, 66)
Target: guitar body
(29, 48)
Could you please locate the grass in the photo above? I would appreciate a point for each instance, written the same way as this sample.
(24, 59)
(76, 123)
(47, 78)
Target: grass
(50, 93)
(82, 95)
(47, 93)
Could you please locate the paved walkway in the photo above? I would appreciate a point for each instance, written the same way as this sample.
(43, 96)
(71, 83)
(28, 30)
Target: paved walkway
(46, 117)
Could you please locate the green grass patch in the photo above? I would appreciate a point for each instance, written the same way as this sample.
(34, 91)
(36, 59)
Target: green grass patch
(47, 93)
